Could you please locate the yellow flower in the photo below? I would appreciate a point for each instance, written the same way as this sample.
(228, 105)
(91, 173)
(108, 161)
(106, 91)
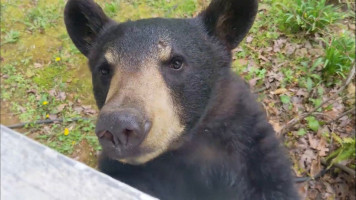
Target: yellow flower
(66, 131)
(58, 59)
(44, 102)
(47, 116)
(73, 142)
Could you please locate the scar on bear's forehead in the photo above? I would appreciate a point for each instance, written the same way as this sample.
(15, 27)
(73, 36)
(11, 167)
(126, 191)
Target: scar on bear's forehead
(111, 56)
(164, 48)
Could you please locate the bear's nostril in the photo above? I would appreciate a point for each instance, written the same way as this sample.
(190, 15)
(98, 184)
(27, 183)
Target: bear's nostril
(101, 134)
(106, 135)
(127, 134)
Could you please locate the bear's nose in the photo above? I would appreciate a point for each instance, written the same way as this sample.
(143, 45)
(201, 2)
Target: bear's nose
(124, 128)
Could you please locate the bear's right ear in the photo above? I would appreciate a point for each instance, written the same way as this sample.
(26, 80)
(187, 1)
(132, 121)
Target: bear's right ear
(84, 20)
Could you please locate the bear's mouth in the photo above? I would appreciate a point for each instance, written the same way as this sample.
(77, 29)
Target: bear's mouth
(116, 152)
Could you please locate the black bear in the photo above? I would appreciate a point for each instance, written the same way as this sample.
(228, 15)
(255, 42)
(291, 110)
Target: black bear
(175, 121)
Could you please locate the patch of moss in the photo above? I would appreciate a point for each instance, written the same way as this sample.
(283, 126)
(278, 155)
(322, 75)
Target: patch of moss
(50, 76)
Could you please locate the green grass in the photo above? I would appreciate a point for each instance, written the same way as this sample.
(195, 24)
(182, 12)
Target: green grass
(345, 151)
(40, 18)
(309, 16)
(310, 77)
(65, 142)
(11, 37)
(112, 8)
(339, 55)
(173, 8)
(51, 76)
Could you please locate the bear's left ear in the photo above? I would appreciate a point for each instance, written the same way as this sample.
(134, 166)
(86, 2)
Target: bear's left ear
(229, 20)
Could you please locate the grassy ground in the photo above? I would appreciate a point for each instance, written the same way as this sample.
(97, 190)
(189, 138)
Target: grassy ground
(297, 55)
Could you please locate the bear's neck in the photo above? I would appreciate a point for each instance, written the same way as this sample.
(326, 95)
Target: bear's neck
(230, 116)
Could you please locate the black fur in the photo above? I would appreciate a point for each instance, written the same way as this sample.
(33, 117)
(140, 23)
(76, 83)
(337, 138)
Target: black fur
(89, 22)
(229, 149)
(229, 20)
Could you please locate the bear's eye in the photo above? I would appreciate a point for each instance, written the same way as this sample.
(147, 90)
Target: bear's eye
(176, 63)
(104, 71)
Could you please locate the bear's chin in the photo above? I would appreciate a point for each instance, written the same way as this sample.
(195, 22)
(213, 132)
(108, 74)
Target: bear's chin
(139, 159)
(134, 156)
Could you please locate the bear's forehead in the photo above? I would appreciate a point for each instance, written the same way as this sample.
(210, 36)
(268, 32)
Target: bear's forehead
(141, 52)
(137, 36)
(148, 42)
(140, 42)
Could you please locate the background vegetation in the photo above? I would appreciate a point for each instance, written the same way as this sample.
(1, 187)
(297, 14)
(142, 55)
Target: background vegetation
(299, 57)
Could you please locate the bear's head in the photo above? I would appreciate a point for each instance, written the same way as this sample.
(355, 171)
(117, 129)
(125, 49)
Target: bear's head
(153, 78)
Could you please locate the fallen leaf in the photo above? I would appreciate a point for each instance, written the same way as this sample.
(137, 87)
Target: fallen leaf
(351, 90)
(308, 45)
(38, 65)
(52, 92)
(342, 190)
(274, 76)
(78, 109)
(88, 110)
(276, 126)
(322, 147)
(70, 103)
(263, 58)
(313, 142)
(5, 76)
(278, 44)
(46, 130)
(290, 49)
(313, 194)
(238, 49)
(253, 82)
(332, 114)
(279, 91)
(307, 157)
(52, 116)
(324, 131)
(316, 51)
(303, 190)
(249, 39)
(302, 92)
(61, 96)
(264, 7)
(315, 167)
(31, 91)
(61, 107)
(301, 52)
(242, 62)
(344, 121)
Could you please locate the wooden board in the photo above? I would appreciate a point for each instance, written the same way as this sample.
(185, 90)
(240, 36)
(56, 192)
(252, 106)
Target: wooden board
(30, 170)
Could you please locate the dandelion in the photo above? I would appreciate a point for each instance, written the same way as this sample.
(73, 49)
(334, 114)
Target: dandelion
(73, 142)
(66, 131)
(58, 59)
(47, 116)
(44, 102)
